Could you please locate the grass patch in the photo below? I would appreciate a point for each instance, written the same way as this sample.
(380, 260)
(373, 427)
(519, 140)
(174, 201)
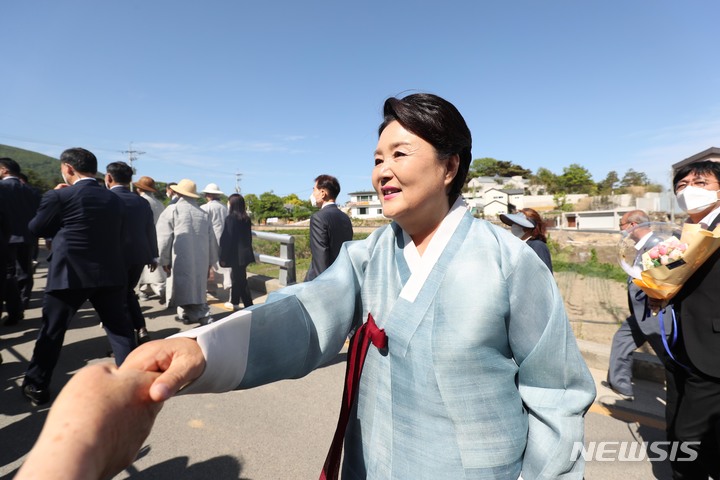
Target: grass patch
(592, 269)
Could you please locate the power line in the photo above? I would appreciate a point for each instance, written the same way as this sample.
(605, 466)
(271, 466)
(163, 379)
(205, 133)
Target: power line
(237, 182)
(132, 156)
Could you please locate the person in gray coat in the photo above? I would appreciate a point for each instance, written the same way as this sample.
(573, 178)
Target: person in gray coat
(640, 326)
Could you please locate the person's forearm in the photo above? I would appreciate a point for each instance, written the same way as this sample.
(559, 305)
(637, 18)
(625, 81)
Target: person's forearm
(59, 457)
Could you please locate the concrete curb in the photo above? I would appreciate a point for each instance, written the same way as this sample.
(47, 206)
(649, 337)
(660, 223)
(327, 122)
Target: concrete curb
(263, 284)
(645, 366)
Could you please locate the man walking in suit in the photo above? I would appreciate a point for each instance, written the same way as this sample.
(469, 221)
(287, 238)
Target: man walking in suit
(693, 382)
(87, 225)
(329, 227)
(639, 327)
(140, 240)
(23, 204)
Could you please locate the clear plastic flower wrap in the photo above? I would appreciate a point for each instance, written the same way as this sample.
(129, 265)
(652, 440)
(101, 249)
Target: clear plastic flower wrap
(661, 257)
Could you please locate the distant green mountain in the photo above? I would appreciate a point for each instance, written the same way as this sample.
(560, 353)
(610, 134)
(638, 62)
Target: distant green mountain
(43, 171)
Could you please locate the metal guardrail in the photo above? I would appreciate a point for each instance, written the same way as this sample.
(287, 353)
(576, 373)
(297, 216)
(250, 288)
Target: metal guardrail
(286, 260)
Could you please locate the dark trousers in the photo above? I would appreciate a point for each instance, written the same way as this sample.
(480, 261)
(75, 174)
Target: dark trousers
(693, 415)
(58, 309)
(26, 255)
(133, 304)
(626, 340)
(239, 287)
(17, 270)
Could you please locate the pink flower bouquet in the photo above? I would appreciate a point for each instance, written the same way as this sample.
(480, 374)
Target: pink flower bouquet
(670, 263)
(667, 253)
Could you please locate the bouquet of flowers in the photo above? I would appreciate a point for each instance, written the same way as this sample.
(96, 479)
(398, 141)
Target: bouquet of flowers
(668, 252)
(661, 270)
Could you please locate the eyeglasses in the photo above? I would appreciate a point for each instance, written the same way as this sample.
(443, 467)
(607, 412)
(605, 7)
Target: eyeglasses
(622, 224)
(700, 183)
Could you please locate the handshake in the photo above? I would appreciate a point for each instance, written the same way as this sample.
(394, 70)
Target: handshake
(100, 419)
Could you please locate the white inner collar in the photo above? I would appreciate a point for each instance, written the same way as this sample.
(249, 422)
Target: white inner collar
(421, 266)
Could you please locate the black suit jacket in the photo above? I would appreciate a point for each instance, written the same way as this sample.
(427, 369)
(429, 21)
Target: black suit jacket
(699, 316)
(24, 203)
(236, 243)
(329, 229)
(5, 226)
(140, 237)
(87, 225)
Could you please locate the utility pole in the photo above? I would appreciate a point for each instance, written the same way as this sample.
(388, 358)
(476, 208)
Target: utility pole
(132, 156)
(237, 182)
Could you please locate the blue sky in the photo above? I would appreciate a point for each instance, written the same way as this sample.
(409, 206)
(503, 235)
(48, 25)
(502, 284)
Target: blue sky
(282, 91)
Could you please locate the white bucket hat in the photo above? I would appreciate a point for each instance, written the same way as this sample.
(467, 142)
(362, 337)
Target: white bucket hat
(212, 188)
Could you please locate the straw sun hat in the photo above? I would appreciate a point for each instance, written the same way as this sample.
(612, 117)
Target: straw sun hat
(186, 187)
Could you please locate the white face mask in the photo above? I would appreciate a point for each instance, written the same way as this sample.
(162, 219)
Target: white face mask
(313, 200)
(517, 230)
(696, 199)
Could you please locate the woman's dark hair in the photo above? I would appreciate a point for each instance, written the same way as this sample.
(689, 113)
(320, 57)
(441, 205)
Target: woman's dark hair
(698, 168)
(236, 207)
(439, 123)
(538, 232)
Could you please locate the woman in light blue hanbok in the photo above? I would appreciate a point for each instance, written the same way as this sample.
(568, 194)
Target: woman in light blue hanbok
(480, 376)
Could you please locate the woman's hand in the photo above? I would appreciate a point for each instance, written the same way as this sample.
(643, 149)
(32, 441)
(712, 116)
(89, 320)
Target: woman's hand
(178, 360)
(96, 425)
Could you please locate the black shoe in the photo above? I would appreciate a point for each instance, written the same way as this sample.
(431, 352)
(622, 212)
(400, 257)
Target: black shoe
(624, 396)
(184, 320)
(36, 395)
(143, 336)
(9, 321)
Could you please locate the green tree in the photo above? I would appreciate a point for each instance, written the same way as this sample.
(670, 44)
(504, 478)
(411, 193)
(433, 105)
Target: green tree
(547, 178)
(252, 202)
(576, 179)
(634, 179)
(609, 184)
(270, 205)
(41, 183)
(490, 167)
(293, 199)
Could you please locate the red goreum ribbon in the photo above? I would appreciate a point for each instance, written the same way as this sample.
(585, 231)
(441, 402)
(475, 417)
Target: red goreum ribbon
(359, 343)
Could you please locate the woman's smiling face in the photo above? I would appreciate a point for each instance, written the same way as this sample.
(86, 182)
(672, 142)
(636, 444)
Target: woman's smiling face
(410, 180)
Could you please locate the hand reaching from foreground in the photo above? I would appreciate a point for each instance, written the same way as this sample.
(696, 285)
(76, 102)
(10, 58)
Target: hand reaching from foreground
(95, 427)
(178, 360)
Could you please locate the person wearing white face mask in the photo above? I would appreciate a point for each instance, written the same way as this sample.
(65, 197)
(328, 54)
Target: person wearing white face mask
(330, 227)
(693, 388)
(528, 226)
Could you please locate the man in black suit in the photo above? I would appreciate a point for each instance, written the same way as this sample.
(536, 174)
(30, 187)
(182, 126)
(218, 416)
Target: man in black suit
(5, 227)
(23, 204)
(87, 224)
(329, 227)
(693, 390)
(140, 239)
(640, 326)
